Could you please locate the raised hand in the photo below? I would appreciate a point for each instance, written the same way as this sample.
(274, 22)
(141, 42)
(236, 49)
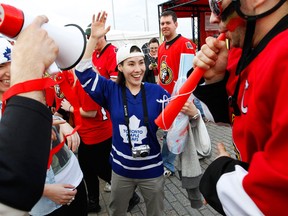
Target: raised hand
(98, 29)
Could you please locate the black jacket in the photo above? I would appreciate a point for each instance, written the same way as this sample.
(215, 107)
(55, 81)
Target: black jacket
(25, 137)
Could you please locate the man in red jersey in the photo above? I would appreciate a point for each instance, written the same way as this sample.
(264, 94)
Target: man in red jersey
(169, 54)
(256, 86)
(170, 50)
(104, 57)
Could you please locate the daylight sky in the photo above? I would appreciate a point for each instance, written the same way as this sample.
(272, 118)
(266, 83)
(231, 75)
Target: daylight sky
(129, 15)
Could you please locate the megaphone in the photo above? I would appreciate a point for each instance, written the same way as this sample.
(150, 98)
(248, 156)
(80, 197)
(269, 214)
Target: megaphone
(70, 38)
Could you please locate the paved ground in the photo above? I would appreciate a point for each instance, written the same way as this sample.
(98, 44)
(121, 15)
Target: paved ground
(176, 202)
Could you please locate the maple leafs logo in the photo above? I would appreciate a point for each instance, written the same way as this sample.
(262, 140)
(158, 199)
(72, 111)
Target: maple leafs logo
(7, 54)
(137, 133)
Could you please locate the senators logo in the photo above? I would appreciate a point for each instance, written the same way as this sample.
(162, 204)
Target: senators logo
(58, 92)
(165, 74)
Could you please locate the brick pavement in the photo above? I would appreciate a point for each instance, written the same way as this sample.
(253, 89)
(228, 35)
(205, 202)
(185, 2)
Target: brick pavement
(176, 202)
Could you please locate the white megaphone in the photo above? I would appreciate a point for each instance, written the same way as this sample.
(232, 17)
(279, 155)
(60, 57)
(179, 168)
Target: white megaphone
(70, 38)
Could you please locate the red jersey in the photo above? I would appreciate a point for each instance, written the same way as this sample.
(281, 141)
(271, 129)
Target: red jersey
(169, 54)
(97, 129)
(105, 61)
(259, 135)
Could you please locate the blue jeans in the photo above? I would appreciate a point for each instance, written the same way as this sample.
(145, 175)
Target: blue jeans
(199, 106)
(167, 156)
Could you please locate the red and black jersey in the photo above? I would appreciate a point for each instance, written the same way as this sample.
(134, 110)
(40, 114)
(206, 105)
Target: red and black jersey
(257, 183)
(96, 129)
(105, 61)
(169, 54)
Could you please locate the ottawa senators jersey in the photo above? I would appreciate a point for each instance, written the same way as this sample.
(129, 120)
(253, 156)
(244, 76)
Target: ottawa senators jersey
(169, 54)
(105, 61)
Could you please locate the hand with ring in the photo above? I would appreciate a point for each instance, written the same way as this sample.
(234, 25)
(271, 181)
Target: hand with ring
(62, 194)
(70, 201)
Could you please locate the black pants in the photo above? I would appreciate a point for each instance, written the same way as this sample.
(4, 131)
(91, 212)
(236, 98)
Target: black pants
(77, 207)
(94, 162)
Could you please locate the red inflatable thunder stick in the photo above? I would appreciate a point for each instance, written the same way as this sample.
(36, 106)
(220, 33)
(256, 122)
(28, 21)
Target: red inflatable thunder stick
(168, 115)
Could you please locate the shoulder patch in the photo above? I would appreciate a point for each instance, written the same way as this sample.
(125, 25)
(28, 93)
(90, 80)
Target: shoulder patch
(189, 45)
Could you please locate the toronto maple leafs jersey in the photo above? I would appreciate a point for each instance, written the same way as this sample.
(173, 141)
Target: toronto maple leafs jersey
(108, 94)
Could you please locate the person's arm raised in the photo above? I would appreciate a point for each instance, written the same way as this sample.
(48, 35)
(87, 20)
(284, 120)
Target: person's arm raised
(98, 30)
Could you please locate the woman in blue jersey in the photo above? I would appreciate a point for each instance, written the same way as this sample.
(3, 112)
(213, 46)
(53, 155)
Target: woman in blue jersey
(136, 154)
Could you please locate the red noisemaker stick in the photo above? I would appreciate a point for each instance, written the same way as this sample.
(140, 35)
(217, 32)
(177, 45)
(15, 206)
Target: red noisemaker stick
(168, 115)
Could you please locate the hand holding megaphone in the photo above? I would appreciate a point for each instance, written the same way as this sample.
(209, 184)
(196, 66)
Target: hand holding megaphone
(70, 38)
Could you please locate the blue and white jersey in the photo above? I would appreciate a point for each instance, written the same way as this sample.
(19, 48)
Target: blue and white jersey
(109, 95)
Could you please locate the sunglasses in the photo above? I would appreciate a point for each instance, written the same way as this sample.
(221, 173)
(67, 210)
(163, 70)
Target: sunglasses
(216, 8)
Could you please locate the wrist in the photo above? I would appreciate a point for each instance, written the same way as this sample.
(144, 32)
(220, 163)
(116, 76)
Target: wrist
(215, 79)
(30, 88)
(36, 95)
(56, 117)
(70, 109)
(194, 117)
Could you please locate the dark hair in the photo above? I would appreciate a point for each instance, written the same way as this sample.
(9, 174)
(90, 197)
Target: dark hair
(170, 13)
(121, 78)
(153, 40)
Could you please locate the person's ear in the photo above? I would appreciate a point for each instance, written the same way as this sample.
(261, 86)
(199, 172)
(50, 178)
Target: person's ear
(120, 67)
(253, 7)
